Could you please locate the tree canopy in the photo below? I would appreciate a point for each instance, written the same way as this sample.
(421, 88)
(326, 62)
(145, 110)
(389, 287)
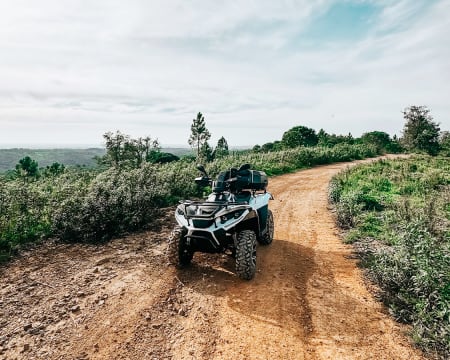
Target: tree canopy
(221, 149)
(382, 141)
(300, 136)
(330, 140)
(122, 150)
(199, 134)
(420, 131)
(27, 168)
(444, 143)
(161, 157)
(206, 153)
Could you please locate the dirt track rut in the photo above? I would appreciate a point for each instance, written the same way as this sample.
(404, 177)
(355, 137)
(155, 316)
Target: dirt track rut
(121, 300)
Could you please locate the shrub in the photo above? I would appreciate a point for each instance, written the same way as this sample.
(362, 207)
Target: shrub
(404, 206)
(88, 205)
(415, 278)
(116, 201)
(348, 208)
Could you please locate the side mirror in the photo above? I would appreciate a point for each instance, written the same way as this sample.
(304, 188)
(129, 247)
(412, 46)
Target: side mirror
(203, 181)
(201, 168)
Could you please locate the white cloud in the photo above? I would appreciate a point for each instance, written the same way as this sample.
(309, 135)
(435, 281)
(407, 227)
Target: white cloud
(74, 70)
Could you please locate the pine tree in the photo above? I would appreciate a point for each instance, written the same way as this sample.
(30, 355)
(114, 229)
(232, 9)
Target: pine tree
(27, 168)
(221, 148)
(199, 133)
(206, 153)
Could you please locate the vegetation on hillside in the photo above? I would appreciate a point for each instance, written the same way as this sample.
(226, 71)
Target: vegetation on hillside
(307, 137)
(398, 215)
(46, 157)
(88, 205)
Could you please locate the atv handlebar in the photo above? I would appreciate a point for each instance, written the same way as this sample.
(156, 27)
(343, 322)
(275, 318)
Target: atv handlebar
(203, 181)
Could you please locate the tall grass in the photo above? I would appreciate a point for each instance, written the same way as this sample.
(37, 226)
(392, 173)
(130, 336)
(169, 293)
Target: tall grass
(398, 214)
(281, 162)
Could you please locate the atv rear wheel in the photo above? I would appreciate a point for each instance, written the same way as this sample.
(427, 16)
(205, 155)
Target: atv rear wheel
(267, 238)
(246, 254)
(178, 252)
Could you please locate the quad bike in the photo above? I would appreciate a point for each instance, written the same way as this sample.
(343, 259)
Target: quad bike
(232, 219)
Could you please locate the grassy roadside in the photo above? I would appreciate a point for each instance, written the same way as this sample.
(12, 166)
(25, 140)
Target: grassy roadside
(397, 214)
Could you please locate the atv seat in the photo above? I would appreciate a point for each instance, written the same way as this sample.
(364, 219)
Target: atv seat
(243, 196)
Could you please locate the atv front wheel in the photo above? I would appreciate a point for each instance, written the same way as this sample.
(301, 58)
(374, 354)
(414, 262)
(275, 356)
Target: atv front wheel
(246, 254)
(267, 238)
(178, 252)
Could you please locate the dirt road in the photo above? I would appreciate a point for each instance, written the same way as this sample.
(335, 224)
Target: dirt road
(122, 301)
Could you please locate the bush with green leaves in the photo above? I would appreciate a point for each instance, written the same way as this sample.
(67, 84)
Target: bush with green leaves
(83, 205)
(114, 202)
(91, 205)
(284, 161)
(400, 211)
(414, 274)
(27, 208)
(23, 213)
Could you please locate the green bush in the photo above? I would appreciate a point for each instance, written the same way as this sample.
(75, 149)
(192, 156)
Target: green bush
(24, 214)
(415, 278)
(114, 202)
(88, 205)
(404, 205)
(348, 208)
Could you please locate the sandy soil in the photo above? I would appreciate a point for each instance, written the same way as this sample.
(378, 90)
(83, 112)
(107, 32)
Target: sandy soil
(121, 300)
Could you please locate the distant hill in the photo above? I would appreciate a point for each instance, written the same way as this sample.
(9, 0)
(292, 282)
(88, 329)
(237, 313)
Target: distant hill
(69, 157)
(178, 151)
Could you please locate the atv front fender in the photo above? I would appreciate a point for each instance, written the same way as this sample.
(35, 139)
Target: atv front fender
(250, 222)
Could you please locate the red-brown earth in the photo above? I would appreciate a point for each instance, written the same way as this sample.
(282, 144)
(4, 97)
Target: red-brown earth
(121, 300)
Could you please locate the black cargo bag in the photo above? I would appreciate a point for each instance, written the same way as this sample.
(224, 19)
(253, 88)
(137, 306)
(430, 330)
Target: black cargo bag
(252, 180)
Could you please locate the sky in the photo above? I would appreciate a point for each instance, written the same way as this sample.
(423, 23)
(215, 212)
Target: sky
(73, 70)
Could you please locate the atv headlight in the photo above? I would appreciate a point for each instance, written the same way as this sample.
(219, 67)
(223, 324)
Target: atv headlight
(232, 215)
(180, 212)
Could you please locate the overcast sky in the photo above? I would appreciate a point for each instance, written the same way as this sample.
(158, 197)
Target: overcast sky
(73, 70)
